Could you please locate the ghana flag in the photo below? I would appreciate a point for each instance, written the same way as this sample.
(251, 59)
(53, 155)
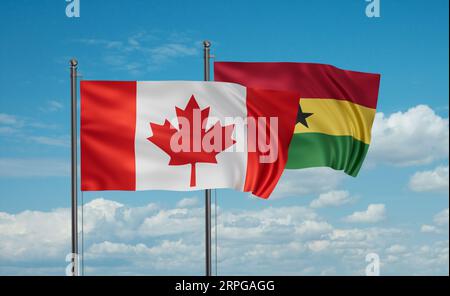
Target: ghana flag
(335, 113)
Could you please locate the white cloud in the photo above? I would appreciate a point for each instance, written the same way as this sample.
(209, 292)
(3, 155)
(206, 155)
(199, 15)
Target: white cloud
(374, 213)
(311, 228)
(102, 209)
(332, 199)
(34, 235)
(267, 225)
(429, 229)
(161, 54)
(52, 106)
(307, 181)
(440, 221)
(395, 249)
(430, 257)
(19, 122)
(319, 245)
(172, 222)
(58, 141)
(7, 130)
(415, 137)
(102, 42)
(187, 202)
(441, 218)
(8, 119)
(153, 240)
(34, 167)
(25, 130)
(433, 181)
(167, 257)
(143, 52)
(9, 124)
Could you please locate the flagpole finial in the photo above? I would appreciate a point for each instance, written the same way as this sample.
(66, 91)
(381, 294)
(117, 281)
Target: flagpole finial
(73, 62)
(206, 43)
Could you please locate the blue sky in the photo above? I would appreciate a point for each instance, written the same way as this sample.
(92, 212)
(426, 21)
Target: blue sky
(150, 40)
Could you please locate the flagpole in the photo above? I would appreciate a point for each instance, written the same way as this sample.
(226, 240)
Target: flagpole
(206, 58)
(73, 93)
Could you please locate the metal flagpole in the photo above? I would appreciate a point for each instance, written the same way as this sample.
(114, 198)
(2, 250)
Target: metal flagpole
(73, 92)
(206, 58)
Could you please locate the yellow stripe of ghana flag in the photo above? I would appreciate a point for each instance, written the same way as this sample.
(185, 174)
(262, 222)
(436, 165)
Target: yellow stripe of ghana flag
(337, 118)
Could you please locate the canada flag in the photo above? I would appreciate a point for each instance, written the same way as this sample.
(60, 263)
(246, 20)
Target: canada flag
(184, 135)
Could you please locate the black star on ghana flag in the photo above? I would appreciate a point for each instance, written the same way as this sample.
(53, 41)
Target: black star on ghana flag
(301, 116)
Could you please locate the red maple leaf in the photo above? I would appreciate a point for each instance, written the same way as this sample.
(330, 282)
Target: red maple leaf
(202, 146)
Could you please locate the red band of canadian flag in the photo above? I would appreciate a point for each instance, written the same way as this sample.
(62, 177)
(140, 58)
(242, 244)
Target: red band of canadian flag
(183, 136)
